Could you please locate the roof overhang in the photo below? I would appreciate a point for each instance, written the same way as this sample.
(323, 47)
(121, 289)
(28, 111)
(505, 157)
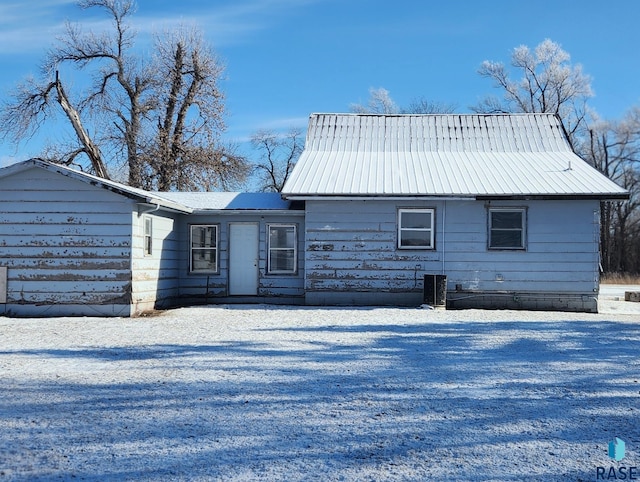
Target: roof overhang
(259, 212)
(457, 197)
(555, 197)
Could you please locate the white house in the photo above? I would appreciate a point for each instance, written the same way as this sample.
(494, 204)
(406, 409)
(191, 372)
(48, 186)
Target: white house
(496, 208)
(500, 205)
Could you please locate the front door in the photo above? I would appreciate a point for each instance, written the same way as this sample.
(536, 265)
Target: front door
(243, 259)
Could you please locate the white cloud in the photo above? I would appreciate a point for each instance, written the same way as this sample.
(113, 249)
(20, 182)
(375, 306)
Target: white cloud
(223, 23)
(29, 27)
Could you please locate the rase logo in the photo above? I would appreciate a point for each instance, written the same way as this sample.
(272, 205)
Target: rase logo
(617, 448)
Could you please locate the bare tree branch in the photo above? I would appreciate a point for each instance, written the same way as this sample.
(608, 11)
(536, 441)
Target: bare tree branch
(162, 115)
(278, 154)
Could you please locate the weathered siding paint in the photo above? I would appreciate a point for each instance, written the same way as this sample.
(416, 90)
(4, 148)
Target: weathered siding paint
(213, 287)
(155, 276)
(352, 255)
(66, 245)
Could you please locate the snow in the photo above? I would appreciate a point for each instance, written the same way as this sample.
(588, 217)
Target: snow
(207, 201)
(258, 392)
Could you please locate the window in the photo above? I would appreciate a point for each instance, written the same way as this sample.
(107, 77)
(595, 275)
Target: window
(282, 248)
(204, 248)
(415, 228)
(148, 235)
(507, 228)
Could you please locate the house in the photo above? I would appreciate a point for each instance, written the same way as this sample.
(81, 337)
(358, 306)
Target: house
(498, 204)
(497, 207)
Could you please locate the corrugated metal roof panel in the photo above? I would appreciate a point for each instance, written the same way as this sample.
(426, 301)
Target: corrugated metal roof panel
(442, 155)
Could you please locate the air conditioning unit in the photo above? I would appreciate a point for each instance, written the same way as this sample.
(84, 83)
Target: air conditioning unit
(435, 290)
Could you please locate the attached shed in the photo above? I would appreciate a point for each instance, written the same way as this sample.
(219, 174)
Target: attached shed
(497, 205)
(76, 244)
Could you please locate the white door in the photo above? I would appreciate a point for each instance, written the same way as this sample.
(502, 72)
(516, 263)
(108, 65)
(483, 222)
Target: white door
(243, 259)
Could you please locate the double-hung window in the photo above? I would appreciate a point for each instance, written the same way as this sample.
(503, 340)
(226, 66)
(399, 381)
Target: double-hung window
(416, 228)
(282, 248)
(507, 228)
(204, 248)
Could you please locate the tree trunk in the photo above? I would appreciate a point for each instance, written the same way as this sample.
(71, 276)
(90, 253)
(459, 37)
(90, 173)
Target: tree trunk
(90, 148)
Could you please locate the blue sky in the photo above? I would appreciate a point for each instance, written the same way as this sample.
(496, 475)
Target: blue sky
(288, 58)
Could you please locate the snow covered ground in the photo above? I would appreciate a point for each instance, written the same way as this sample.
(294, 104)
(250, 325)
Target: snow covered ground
(258, 392)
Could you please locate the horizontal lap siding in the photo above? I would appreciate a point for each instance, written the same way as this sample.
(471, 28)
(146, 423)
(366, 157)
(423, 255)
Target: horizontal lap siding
(561, 253)
(155, 276)
(351, 247)
(66, 244)
(209, 287)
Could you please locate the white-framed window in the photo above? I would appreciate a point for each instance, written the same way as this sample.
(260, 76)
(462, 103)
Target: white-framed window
(283, 248)
(204, 248)
(507, 228)
(416, 228)
(147, 222)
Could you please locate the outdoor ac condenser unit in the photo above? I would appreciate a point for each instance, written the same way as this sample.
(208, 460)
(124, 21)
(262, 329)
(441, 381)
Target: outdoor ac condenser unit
(435, 289)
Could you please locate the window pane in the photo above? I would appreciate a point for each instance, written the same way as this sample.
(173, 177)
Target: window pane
(203, 259)
(282, 236)
(282, 260)
(416, 220)
(506, 238)
(506, 219)
(507, 229)
(415, 238)
(203, 236)
(203, 248)
(148, 242)
(282, 249)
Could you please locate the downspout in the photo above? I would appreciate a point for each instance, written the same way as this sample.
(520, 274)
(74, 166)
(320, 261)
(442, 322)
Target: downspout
(444, 244)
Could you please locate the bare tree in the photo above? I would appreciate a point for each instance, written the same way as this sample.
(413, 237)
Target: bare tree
(186, 152)
(120, 93)
(422, 105)
(278, 155)
(31, 108)
(163, 114)
(614, 149)
(380, 102)
(548, 83)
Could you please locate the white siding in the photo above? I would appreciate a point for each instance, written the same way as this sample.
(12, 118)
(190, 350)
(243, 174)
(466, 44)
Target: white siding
(213, 287)
(66, 245)
(154, 276)
(352, 254)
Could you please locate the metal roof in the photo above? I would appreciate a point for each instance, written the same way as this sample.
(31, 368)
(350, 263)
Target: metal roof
(138, 195)
(184, 202)
(214, 201)
(464, 155)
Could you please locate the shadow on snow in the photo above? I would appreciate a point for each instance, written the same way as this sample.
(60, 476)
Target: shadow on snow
(404, 401)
